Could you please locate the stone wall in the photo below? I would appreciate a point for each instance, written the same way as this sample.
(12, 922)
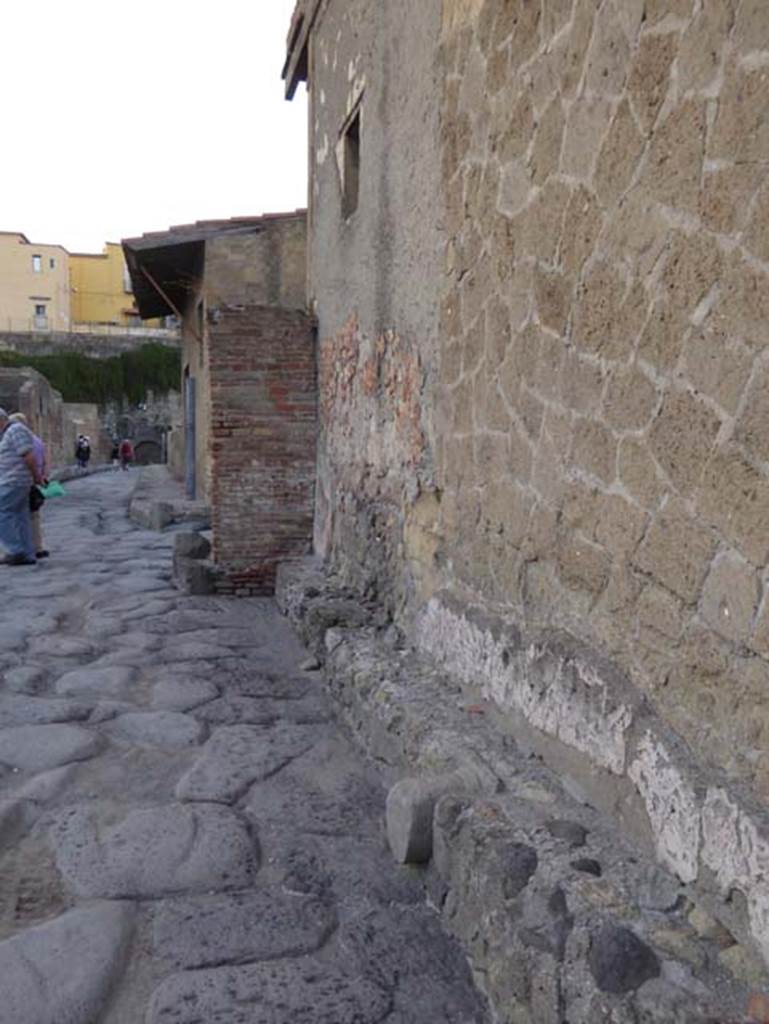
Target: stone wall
(558, 478)
(93, 345)
(57, 423)
(263, 423)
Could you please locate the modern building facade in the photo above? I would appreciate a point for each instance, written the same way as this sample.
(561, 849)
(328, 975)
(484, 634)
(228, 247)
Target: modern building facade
(34, 285)
(101, 289)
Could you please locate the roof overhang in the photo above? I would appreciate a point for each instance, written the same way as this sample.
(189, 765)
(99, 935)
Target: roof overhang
(296, 67)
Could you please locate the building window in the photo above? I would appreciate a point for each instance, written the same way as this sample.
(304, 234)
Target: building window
(37, 264)
(52, 263)
(351, 164)
(41, 320)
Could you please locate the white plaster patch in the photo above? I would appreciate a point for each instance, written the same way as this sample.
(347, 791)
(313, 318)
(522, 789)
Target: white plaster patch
(672, 806)
(738, 855)
(570, 703)
(321, 152)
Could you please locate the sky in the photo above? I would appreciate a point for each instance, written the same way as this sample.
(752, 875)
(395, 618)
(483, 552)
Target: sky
(120, 118)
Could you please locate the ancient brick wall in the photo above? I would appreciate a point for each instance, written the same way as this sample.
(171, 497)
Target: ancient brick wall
(575, 517)
(263, 427)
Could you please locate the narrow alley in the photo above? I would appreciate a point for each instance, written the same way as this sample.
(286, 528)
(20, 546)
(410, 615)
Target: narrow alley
(186, 835)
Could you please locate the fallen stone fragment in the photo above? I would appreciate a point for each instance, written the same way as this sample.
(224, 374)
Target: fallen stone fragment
(34, 748)
(300, 992)
(157, 728)
(112, 681)
(61, 972)
(409, 815)
(310, 664)
(239, 755)
(250, 926)
(154, 852)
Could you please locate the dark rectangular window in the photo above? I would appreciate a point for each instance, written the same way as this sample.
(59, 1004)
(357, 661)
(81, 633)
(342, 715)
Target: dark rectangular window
(52, 263)
(351, 169)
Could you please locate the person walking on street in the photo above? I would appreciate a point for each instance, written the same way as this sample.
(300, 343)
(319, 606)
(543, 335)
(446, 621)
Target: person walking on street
(126, 453)
(83, 451)
(18, 471)
(41, 461)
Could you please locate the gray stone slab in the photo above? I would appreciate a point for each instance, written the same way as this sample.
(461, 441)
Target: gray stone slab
(302, 991)
(192, 650)
(139, 583)
(25, 679)
(177, 694)
(157, 728)
(138, 640)
(234, 928)
(115, 682)
(61, 972)
(21, 709)
(227, 636)
(61, 647)
(35, 748)
(239, 755)
(156, 851)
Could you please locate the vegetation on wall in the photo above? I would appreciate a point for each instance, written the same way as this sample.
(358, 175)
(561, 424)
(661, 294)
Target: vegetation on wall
(124, 378)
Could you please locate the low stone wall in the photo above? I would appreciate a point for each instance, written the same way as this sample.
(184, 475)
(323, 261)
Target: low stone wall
(93, 345)
(562, 915)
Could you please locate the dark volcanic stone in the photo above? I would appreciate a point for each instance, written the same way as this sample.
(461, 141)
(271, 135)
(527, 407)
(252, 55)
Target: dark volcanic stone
(588, 865)
(570, 832)
(519, 864)
(620, 962)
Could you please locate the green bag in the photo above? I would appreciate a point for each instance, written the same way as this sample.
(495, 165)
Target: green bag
(52, 489)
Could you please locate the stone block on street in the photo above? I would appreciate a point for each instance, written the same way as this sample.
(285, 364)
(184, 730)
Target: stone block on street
(35, 748)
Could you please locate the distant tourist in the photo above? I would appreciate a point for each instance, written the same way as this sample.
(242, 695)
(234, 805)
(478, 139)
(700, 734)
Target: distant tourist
(82, 451)
(126, 453)
(36, 500)
(115, 453)
(18, 472)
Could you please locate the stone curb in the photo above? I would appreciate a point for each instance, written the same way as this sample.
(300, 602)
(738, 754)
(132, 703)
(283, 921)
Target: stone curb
(561, 916)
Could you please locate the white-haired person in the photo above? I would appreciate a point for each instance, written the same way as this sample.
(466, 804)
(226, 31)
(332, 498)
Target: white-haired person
(18, 472)
(41, 461)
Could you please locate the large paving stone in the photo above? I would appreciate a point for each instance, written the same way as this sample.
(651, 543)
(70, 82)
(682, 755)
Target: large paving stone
(35, 748)
(25, 679)
(112, 681)
(295, 992)
(155, 851)
(176, 694)
(157, 728)
(61, 647)
(235, 710)
(350, 805)
(192, 649)
(263, 925)
(237, 756)
(61, 972)
(16, 709)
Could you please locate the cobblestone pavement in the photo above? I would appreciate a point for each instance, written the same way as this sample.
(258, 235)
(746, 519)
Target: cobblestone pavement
(186, 836)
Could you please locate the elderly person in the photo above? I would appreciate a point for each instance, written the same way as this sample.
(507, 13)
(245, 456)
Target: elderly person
(41, 462)
(18, 471)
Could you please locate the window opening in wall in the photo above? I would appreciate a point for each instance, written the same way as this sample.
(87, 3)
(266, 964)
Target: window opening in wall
(41, 320)
(351, 165)
(200, 328)
(52, 263)
(37, 264)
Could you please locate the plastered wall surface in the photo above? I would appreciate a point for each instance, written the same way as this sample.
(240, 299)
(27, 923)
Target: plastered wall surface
(543, 379)
(373, 277)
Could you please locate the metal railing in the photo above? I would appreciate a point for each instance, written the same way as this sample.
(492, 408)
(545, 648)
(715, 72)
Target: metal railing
(45, 325)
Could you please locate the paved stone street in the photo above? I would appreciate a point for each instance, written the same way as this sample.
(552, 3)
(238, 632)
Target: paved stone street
(186, 836)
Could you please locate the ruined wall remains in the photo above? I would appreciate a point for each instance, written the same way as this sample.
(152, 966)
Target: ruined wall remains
(267, 267)
(263, 423)
(373, 275)
(560, 479)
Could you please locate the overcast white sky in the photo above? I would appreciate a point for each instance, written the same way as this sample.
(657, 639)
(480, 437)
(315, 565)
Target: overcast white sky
(120, 118)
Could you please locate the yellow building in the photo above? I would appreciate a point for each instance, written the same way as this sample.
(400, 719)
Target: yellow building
(34, 285)
(101, 289)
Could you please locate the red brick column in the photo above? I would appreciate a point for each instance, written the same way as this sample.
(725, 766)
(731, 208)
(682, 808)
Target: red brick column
(263, 435)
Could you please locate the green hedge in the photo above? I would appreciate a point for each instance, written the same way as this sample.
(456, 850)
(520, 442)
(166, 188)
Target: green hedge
(127, 377)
